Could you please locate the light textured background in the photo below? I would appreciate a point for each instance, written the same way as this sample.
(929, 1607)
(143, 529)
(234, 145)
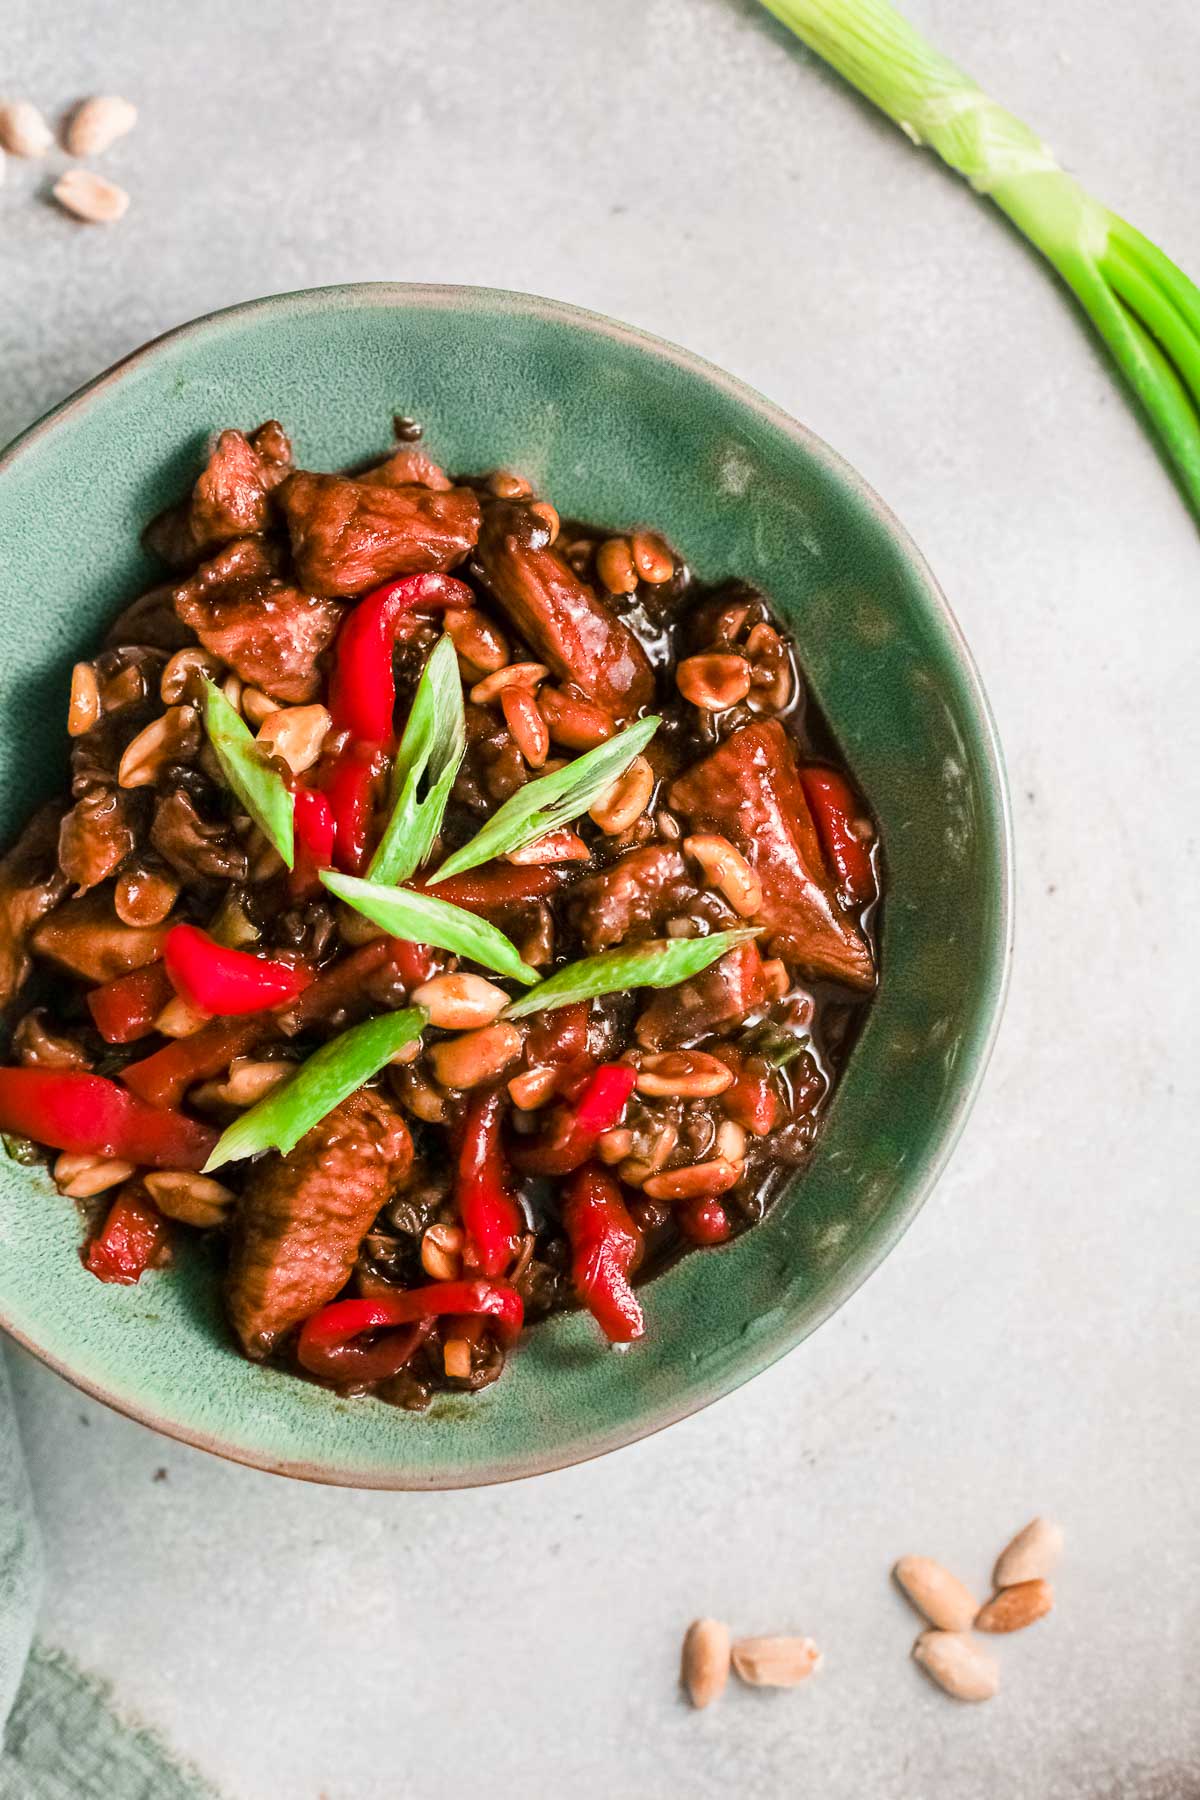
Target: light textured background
(1031, 1344)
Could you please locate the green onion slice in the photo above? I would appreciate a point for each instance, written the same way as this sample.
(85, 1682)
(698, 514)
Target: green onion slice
(334, 1072)
(262, 792)
(431, 750)
(661, 963)
(425, 920)
(551, 801)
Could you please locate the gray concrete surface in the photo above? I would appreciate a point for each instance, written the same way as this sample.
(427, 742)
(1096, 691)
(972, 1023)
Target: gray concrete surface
(1031, 1344)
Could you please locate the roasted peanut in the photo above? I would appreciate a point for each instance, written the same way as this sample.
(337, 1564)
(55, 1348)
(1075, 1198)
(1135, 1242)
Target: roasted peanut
(249, 1081)
(507, 486)
(295, 735)
(82, 1177)
(513, 675)
(573, 722)
(697, 1182)
(96, 125)
(526, 725)
(456, 1358)
(184, 673)
(961, 1667)
(90, 197)
(144, 894)
(940, 1596)
(460, 1002)
(730, 1143)
(728, 871)
(614, 566)
(532, 1088)
(175, 737)
(257, 707)
(83, 708)
(476, 1056)
(179, 1018)
(683, 1074)
(775, 1661)
(1032, 1555)
(1013, 1608)
(770, 672)
(705, 1661)
(23, 130)
(615, 1145)
(626, 800)
(193, 1199)
(715, 681)
(548, 515)
(478, 643)
(441, 1252)
(651, 558)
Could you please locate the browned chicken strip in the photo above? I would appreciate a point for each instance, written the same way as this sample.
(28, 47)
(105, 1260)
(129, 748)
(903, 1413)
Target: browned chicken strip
(230, 499)
(302, 1217)
(573, 631)
(348, 536)
(270, 633)
(749, 791)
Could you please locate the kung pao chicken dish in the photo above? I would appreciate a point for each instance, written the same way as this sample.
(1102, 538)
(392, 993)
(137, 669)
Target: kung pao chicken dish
(456, 908)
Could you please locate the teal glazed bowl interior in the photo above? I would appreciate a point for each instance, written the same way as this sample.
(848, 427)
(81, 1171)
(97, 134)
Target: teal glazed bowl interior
(619, 428)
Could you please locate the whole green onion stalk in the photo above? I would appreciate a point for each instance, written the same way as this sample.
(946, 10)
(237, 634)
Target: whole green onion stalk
(1145, 309)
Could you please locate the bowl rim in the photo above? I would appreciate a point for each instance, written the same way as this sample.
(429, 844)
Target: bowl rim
(786, 1336)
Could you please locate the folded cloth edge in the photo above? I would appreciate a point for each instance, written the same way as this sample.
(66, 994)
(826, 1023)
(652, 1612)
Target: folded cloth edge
(20, 1554)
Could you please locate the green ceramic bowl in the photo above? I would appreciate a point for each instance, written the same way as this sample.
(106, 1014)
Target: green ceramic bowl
(621, 428)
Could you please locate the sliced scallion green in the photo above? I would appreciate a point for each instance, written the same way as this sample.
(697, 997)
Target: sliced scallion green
(426, 920)
(661, 963)
(1145, 308)
(431, 750)
(334, 1072)
(551, 801)
(261, 791)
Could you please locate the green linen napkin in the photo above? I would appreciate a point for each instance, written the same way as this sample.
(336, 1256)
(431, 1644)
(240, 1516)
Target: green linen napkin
(62, 1739)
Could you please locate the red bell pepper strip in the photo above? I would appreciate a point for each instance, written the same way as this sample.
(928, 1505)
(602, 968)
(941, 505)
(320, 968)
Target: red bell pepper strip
(314, 824)
(125, 1009)
(362, 689)
(605, 1245)
(494, 886)
(165, 1077)
(91, 1116)
(133, 1238)
(314, 829)
(487, 1206)
(226, 982)
(573, 1139)
(845, 834)
(327, 1344)
(704, 1222)
(350, 787)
